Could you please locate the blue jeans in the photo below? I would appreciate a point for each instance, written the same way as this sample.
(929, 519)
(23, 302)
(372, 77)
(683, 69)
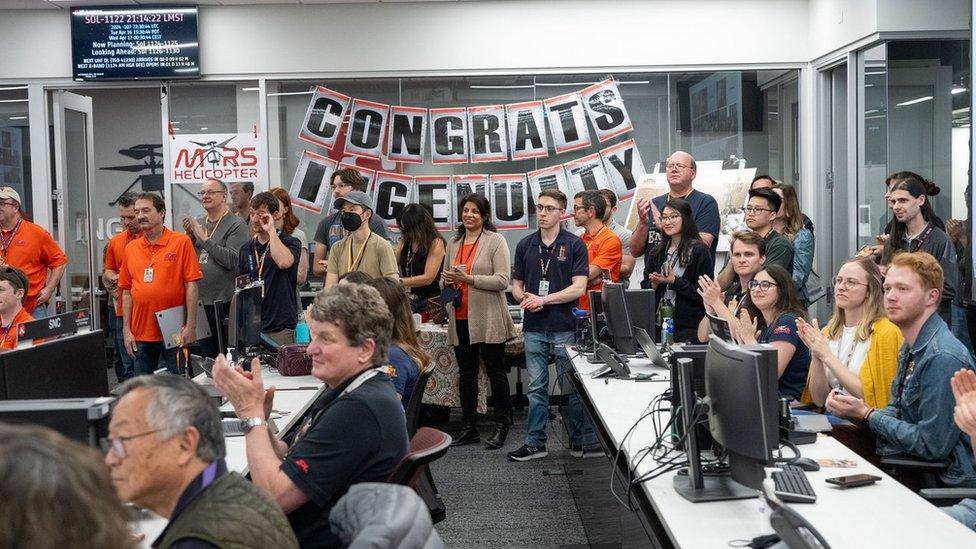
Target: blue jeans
(964, 512)
(538, 346)
(960, 326)
(152, 354)
(124, 363)
(40, 311)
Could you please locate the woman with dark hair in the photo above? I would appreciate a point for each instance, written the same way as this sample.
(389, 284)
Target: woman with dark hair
(791, 223)
(912, 230)
(289, 225)
(56, 493)
(773, 295)
(406, 356)
(676, 264)
(420, 255)
(478, 266)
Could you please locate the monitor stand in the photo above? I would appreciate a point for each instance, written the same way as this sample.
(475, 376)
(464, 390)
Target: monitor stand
(720, 488)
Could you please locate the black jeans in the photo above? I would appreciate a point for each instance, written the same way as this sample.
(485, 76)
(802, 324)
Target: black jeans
(207, 347)
(469, 358)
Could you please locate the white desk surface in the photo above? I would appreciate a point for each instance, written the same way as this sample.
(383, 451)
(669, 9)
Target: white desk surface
(884, 514)
(293, 397)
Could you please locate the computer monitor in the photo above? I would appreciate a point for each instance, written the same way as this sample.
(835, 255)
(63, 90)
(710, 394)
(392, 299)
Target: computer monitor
(618, 318)
(642, 310)
(743, 416)
(68, 367)
(697, 355)
(82, 419)
(244, 329)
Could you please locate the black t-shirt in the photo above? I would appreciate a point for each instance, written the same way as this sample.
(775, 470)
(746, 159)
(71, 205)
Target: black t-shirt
(413, 264)
(279, 310)
(565, 258)
(357, 437)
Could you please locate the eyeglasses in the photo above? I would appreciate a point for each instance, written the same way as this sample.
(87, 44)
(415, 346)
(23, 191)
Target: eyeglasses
(848, 283)
(549, 209)
(756, 209)
(676, 166)
(763, 285)
(202, 194)
(669, 218)
(578, 208)
(117, 444)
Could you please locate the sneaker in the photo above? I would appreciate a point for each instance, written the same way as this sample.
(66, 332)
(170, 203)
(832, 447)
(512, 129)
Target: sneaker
(585, 451)
(526, 452)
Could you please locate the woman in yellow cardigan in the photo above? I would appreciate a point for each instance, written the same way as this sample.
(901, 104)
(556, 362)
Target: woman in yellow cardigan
(857, 352)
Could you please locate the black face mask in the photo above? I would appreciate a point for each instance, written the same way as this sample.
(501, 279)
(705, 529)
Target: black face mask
(351, 221)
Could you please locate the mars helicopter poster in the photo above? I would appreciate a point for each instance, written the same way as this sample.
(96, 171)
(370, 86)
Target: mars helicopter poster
(229, 157)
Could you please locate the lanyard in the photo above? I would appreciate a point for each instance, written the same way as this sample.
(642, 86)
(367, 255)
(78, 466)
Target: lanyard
(6, 242)
(353, 264)
(915, 244)
(360, 379)
(544, 267)
(152, 250)
(470, 252)
(260, 262)
(6, 330)
(408, 264)
(214, 229)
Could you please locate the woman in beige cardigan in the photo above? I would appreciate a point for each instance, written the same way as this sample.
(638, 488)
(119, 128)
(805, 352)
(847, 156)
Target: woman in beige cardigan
(477, 263)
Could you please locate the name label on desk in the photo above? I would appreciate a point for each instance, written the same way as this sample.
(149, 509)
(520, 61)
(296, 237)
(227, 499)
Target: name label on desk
(55, 326)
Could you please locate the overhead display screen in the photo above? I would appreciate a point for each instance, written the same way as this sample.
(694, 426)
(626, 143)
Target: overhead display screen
(116, 43)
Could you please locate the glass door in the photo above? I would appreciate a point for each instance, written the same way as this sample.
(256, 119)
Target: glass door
(73, 170)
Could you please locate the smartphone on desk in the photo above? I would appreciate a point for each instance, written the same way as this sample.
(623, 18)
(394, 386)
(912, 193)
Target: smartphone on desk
(853, 481)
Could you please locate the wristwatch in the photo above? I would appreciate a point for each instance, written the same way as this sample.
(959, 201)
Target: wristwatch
(250, 423)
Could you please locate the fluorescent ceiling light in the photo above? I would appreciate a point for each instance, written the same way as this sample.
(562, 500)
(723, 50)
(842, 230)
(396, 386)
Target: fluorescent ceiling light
(18, 118)
(250, 89)
(13, 88)
(916, 100)
(529, 87)
(566, 83)
(958, 89)
(291, 93)
(874, 73)
(13, 100)
(872, 111)
(204, 128)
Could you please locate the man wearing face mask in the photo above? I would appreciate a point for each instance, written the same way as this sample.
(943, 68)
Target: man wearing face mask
(361, 249)
(272, 256)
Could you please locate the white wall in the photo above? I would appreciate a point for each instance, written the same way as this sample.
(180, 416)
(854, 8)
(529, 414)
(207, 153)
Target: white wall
(835, 24)
(490, 35)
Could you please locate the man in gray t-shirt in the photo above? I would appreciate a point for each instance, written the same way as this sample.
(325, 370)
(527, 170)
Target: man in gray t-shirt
(330, 229)
(217, 237)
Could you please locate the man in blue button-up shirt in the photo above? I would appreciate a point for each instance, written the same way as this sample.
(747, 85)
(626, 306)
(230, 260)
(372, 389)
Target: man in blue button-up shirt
(918, 420)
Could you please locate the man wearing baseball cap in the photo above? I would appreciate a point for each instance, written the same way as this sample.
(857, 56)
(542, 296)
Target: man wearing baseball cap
(32, 250)
(360, 250)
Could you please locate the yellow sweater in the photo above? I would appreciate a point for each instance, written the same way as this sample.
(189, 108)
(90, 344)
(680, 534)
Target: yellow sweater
(880, 366)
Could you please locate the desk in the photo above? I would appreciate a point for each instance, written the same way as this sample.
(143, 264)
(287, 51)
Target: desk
(442, 388)
(294, 396)
(885, 514)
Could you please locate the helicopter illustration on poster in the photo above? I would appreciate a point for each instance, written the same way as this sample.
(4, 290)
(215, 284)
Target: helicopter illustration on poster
(151, 156)
(212, 151)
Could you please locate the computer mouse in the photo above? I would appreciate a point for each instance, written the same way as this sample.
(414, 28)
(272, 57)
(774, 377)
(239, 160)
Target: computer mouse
(806, 464)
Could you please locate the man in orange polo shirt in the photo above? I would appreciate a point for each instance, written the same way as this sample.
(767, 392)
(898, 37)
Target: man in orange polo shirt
(32, 250)
(602, 245)
(114, 252)
(159, 271)
(13, 287)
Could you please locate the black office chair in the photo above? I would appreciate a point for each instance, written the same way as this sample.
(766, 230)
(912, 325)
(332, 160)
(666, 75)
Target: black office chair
(416, 399)
(914, 473)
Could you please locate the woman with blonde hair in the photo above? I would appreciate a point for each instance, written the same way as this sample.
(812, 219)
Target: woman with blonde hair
(857, 352)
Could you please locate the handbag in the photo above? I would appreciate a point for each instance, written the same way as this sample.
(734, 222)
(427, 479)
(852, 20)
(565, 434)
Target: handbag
(437, 312)
(813, 289)
(293, 360)
(450, 296)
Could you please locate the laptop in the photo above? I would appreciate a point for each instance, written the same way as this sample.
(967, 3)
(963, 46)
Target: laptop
(650, 349)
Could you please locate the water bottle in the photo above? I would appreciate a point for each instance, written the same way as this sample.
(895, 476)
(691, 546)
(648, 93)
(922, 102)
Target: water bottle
(667, 325)
(302, 334)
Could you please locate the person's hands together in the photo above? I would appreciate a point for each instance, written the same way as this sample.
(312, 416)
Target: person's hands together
(812, 337)
(710, 292)
(531, 302)
(846, 406)
(244, 390)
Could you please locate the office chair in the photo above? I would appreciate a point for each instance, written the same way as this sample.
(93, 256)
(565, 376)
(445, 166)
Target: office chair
(416, 399)
(914, 473)
(425, 485)
(426, 446)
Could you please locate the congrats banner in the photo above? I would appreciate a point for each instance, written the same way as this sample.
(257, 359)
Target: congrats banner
(617, 168)
(458, 135)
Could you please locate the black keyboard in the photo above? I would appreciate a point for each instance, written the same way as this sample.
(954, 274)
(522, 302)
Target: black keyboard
(792, 485)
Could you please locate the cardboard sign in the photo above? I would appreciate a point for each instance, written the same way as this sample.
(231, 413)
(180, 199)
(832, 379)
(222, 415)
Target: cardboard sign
(366, 173)
(624, 168)
(449, 135)
(194, 158)
(407, 134)
(488, 134)
(465, 185)
(567, 122)
(311, 185)
(434, 191)
(367, 127)
(527, 130)
(606, 111)
(324, 117)
(586, 174)
(553, 177)
(393, 192)
(510, 208)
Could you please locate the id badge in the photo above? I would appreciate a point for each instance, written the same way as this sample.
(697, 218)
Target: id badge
(543, 288)
(147, 275)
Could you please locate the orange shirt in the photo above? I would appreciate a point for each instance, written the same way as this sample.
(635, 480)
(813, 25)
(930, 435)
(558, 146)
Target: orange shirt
(466, 254)
(32, 250)
(604, 249)
(113, 259)
(10, 333)
(174, 263)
